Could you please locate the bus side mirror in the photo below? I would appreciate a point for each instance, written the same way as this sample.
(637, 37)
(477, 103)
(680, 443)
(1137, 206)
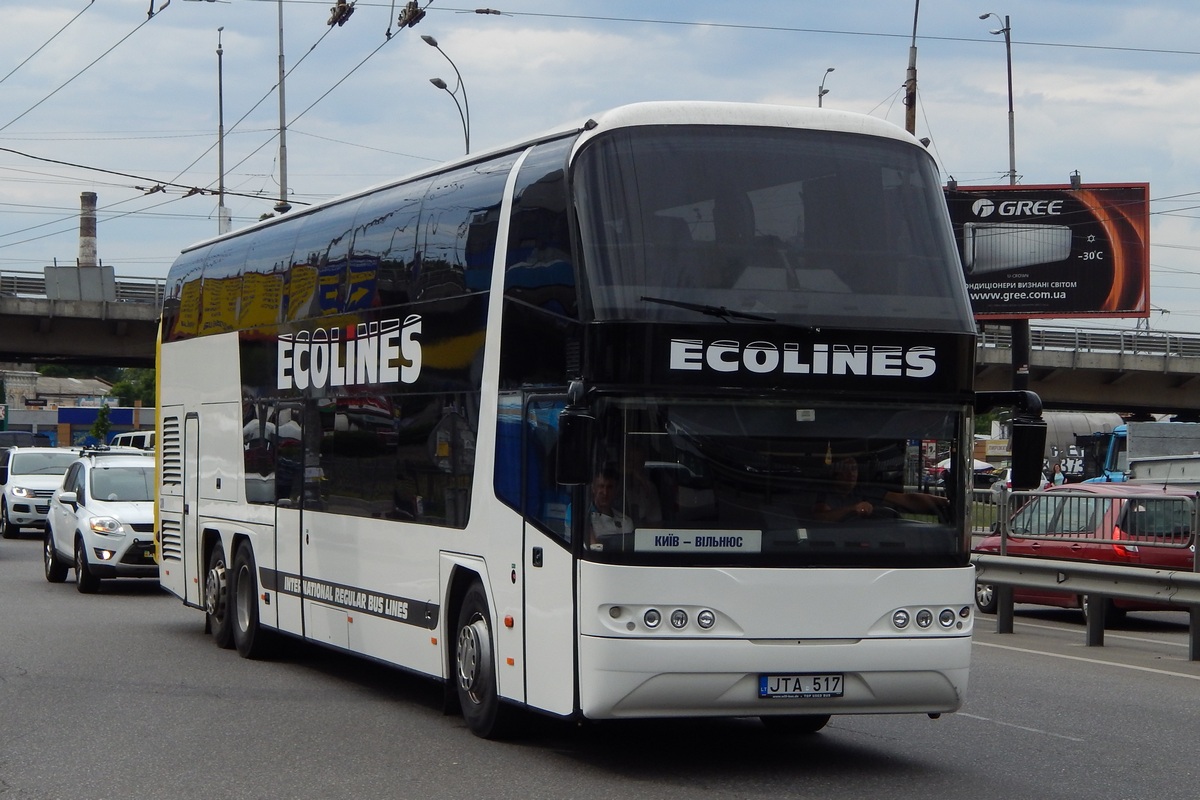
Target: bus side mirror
(575, 431)
(1028, 450)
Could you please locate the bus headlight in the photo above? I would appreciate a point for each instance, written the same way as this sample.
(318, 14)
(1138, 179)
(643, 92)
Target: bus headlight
(946, 618)
(706, 619)
(924, 618)
(679, 618)
(900, 618)
(652, 618)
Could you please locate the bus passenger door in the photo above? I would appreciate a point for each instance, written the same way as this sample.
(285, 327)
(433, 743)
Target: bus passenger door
(548, 565)
(192, 563)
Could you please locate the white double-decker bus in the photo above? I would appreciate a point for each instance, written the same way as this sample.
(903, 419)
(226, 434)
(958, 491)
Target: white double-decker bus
(627, 420)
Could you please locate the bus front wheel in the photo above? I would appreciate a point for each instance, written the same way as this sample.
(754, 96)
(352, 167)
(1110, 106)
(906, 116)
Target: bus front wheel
(475, 668)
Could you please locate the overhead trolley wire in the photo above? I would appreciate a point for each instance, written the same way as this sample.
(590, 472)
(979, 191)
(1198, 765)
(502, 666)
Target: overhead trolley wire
(29, 57)
(77, 74)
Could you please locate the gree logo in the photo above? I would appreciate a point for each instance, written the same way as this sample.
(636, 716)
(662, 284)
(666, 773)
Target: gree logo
(368, 353)
(984, 208)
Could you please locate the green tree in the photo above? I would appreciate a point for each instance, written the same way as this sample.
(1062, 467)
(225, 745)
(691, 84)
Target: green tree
(133, 385)
(101, 426)
(983, 422)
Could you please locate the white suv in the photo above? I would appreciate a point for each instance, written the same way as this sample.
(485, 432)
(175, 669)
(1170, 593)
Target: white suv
(102, 519)
(29, 476)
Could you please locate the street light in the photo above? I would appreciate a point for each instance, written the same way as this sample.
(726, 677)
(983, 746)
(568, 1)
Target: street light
(1019, 327)
(464, 110)
(1012, 144)
(821, 90)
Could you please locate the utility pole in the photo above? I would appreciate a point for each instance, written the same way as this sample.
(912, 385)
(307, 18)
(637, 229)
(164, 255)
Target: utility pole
(223, 220)
(910, 81)
(283, 206)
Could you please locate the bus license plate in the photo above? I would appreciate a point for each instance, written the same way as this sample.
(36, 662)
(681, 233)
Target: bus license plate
(812, 685)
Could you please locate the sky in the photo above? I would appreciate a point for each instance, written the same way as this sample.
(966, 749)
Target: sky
(103, 96)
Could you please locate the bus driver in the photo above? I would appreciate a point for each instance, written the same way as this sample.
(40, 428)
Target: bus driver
(604, 519)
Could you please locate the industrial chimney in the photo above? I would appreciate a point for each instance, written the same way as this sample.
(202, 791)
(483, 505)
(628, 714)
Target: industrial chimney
(87, 229)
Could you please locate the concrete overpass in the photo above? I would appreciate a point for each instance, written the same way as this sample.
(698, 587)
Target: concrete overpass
(1102, 369)
(47, 318)
(1099, 369)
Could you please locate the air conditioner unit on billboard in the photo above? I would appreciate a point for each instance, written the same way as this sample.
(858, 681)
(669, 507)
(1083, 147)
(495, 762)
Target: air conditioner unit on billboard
(998, 246)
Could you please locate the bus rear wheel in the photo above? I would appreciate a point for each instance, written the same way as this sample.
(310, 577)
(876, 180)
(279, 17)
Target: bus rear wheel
(474, 670)
(796, 723)
(250, 639)
(216, 599)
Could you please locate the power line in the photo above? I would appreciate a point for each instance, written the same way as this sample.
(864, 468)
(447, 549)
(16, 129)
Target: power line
(822, 31)
(156, 186)
(48, 41)
(77, 74)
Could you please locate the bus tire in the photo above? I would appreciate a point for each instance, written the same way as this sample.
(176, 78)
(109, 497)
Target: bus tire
(56, 570)
(474, 668)
(216, 599)
(250, 639)
(795, 723)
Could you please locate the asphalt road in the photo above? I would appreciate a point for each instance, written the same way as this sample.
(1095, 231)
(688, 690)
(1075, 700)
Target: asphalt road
(122, 695)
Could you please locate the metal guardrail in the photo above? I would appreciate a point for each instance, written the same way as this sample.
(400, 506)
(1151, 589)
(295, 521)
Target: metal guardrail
(1095, 580)
(1077, 519)
(1138, 342)
(129, 290)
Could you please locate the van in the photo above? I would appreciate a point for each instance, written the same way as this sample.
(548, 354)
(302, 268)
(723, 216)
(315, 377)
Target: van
(142, 440)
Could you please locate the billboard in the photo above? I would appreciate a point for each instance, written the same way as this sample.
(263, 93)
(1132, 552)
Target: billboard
(1034, 252)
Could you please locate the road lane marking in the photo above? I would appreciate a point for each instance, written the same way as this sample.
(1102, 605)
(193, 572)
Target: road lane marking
(1020, 727)
(1107, 634)
(1096, 661)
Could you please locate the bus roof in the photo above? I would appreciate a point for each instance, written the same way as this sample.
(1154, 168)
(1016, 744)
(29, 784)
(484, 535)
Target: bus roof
(674, 112)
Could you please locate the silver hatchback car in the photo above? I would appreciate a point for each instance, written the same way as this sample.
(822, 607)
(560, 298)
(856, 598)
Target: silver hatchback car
(101, 520)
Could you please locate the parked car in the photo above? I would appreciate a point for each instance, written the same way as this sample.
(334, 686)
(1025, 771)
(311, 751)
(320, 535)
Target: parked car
(101, 520)
(1118, 523)
(29, 476)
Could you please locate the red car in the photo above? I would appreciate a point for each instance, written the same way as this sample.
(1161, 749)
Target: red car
(1120, 523)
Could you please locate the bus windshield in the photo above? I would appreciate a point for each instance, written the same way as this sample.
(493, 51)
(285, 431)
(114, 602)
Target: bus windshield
(793, 226)
(772, 483)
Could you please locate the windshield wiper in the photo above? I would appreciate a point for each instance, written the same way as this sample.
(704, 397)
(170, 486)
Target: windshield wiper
(712, 311)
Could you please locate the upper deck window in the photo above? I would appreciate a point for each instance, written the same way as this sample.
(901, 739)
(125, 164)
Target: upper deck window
(797, 226)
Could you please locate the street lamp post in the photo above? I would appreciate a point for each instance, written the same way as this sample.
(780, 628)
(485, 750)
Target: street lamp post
(464, 109)
(821, 90)
(1012, 144)
(1019, 327)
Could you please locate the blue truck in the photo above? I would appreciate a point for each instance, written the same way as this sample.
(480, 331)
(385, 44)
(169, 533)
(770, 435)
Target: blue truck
(1142, 451)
